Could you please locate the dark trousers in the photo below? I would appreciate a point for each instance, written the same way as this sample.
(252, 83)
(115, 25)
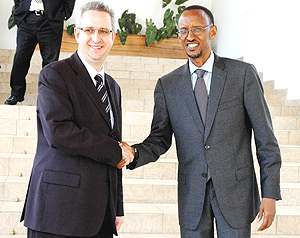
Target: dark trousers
(211, 212)
(33, 30)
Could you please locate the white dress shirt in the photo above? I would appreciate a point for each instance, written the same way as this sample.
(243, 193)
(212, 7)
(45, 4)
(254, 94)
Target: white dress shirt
(93, 72)
(36, 6)
(208, 67)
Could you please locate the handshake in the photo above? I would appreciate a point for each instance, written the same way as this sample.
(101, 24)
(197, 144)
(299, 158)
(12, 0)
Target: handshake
(128, 154)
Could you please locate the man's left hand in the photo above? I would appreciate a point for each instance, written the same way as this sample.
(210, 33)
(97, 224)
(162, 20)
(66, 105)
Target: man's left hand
(267, 211)
(119, 222)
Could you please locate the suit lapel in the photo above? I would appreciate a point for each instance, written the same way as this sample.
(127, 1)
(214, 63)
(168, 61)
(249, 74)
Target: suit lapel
(216, 90)
(184, 86)
(87, 84)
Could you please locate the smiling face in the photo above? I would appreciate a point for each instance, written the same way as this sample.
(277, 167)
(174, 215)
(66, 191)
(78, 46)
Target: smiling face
(198, 48)
(94, 48)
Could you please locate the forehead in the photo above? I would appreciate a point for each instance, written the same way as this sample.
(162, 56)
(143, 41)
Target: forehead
(193, 17)
(96, 19)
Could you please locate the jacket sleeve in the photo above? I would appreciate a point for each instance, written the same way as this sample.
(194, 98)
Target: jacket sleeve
(160, 138)
(267, 149)
(17, 2)
(68, 7)
(56, 114)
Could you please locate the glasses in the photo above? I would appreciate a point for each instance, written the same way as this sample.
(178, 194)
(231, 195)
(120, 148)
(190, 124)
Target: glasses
(91, 31)
(197, 31)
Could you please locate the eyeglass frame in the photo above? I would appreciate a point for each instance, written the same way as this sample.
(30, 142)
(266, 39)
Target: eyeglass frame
(192, 30)
(98, 30)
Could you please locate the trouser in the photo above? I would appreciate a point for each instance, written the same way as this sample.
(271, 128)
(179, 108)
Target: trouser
(33, 30)
(211, 211)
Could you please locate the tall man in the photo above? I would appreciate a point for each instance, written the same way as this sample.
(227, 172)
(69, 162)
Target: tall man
(211, 105)
(75, 188)
(39, 22)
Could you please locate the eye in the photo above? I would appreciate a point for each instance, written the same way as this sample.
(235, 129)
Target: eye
(89, 30)
(183, 31)
(197, 30)
(104, 31)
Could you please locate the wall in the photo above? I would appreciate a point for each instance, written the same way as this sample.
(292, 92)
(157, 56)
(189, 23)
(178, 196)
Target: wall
(264, 33)
(148, 9)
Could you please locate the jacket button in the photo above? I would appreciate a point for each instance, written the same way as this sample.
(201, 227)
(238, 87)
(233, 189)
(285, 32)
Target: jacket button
(207, 147)
(204, 175)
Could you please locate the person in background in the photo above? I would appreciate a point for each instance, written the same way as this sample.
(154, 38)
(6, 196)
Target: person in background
(39, 22)
(75, 187)
(212, 105)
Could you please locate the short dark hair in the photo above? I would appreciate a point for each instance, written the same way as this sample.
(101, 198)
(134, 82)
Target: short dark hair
(208, 12)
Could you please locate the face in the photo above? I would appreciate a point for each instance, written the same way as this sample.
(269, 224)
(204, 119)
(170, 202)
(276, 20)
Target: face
(93, 47)
(196, 47)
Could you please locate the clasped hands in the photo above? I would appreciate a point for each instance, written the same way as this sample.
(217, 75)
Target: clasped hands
(127, 155)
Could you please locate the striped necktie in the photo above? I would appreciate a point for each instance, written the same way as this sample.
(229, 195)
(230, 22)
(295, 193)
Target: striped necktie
(103, 94)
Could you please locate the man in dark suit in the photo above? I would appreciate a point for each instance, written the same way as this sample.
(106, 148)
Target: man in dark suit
(39, 22)
(212, 115)
(75, 188)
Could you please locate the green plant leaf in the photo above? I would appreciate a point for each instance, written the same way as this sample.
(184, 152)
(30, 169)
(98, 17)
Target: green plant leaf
(166, 3)
(151, 32)
(138, 28)
(123, 36)
(179, 2)
(161, 34)
(121, 22)
(124, 14)
(168, 16)
(70, 29)
(180, 9)
(11, 20)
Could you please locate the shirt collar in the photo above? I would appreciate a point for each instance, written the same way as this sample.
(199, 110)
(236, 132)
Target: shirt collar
(91, 70)
(207, 66)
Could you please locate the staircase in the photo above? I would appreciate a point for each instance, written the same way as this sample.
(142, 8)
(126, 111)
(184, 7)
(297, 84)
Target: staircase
(150, 192)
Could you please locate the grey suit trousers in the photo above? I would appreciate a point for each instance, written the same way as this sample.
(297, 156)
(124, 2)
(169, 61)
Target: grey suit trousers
(211, 210)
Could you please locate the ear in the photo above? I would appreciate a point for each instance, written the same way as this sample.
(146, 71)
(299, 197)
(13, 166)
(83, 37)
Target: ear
(113, 35)
(76, 34)
(213, 32)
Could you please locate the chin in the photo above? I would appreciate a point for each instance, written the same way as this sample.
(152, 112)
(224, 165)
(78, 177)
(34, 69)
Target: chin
(194, 56)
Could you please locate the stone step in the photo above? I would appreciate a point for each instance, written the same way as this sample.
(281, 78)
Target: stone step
(18, 144)
(132, 235)
(132, 130)
(286, 123)
(16, 164)
(143, 218)
(285, 111)
(164, 168)
(13, 189)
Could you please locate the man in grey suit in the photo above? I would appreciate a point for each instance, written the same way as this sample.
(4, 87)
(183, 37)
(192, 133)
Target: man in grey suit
(212, 124)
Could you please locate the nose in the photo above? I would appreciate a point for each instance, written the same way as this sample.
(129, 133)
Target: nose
(96, 36)
(190, 35)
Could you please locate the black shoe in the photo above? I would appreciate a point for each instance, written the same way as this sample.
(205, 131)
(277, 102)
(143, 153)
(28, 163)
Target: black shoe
(12, 100)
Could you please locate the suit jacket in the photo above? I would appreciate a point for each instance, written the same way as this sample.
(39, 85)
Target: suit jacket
(56, 11)
(236, 107)
(74, 176)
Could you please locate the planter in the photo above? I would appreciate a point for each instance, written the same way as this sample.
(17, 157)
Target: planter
(135, 46)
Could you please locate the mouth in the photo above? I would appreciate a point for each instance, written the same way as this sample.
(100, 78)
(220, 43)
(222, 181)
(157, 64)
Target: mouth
(96, 47)
(192, 45)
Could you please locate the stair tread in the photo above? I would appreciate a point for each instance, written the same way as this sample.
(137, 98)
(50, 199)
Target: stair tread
(152, 208)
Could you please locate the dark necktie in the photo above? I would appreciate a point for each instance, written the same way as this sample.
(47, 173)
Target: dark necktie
(200, 92)
(103, 94)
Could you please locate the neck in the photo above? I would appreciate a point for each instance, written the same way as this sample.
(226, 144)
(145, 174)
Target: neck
(199, 61)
